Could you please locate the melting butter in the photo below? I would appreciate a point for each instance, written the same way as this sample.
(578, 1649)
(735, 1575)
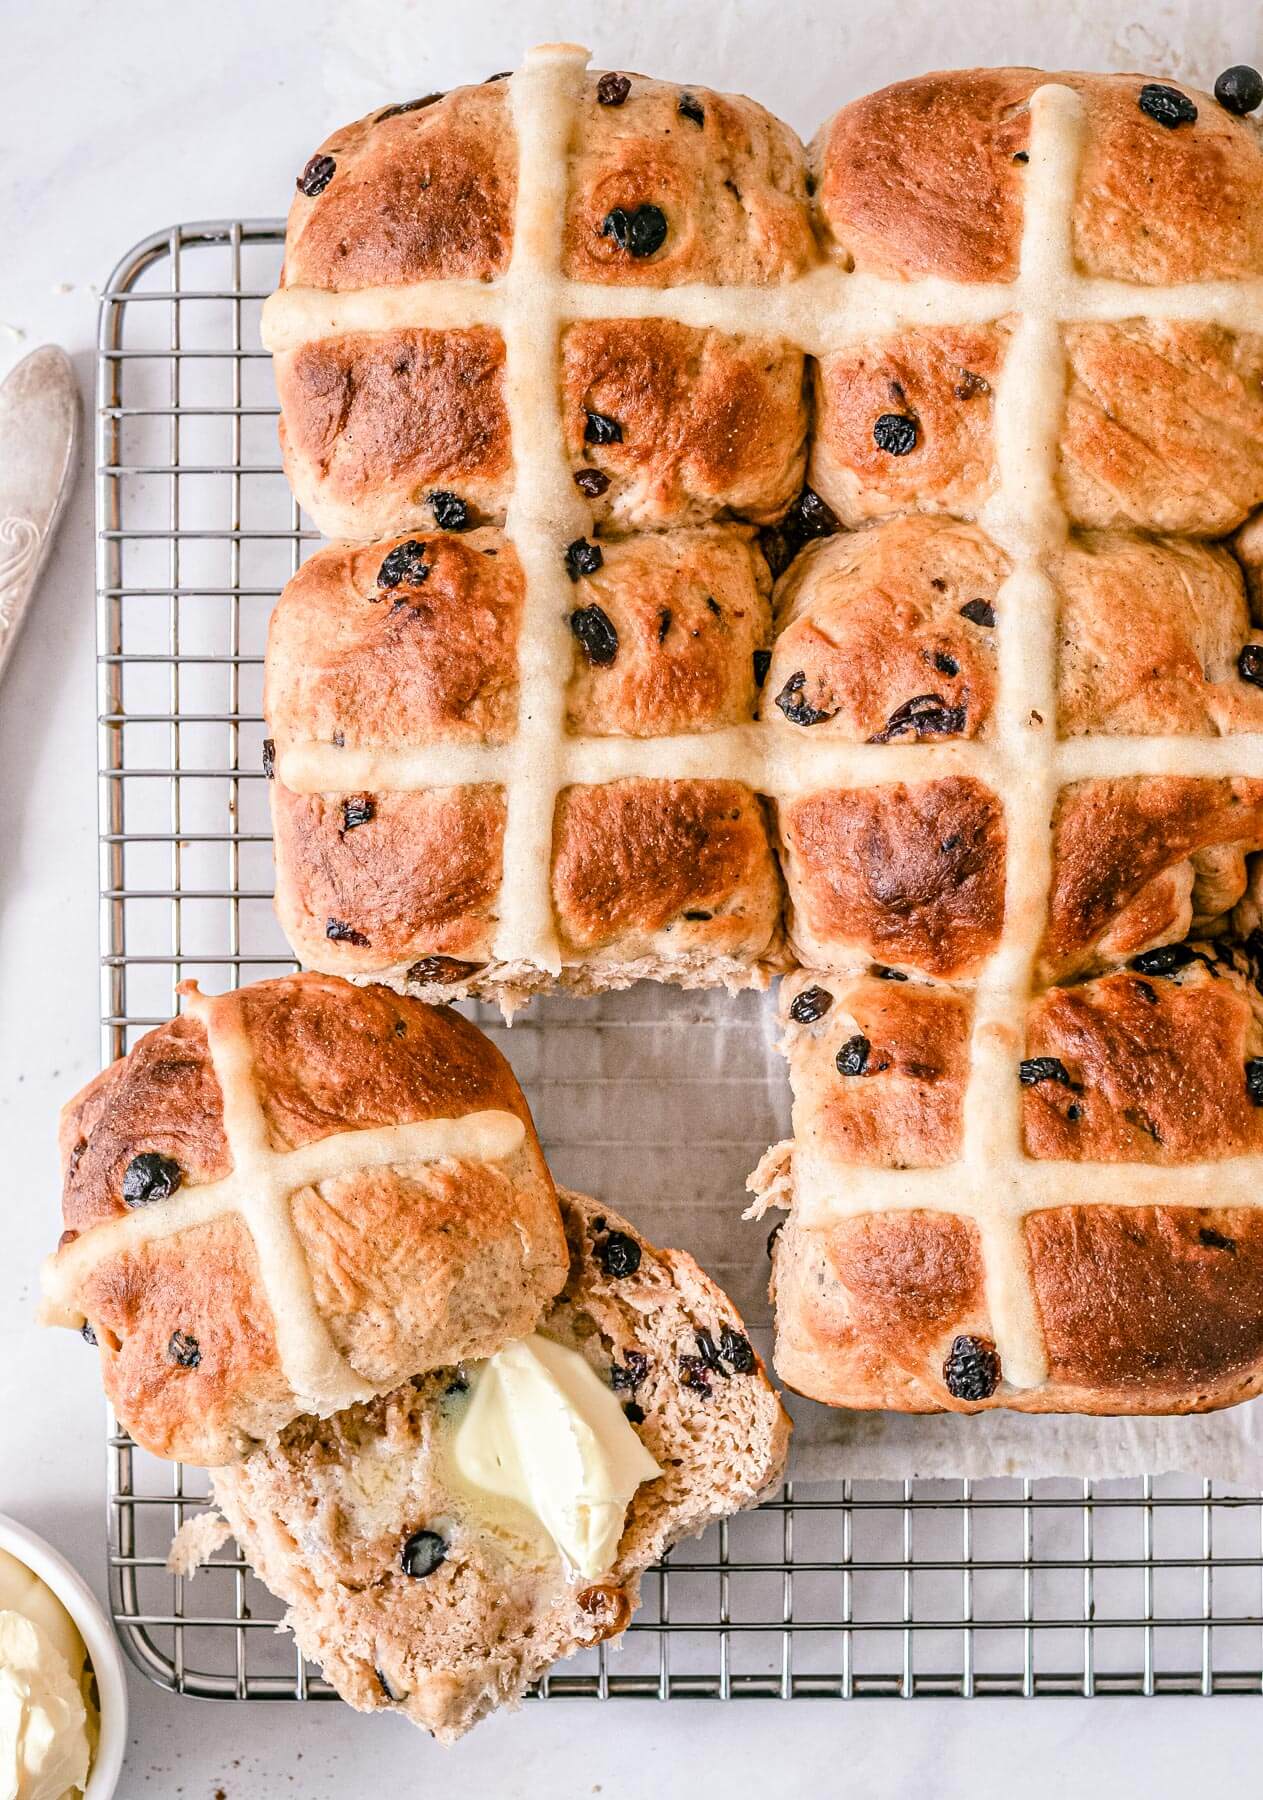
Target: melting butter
(543, 1432)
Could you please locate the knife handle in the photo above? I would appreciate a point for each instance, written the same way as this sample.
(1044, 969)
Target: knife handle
(20, 542)
(39, 441)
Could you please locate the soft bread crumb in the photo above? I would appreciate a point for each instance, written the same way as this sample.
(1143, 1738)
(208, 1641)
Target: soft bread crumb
(196, 1542)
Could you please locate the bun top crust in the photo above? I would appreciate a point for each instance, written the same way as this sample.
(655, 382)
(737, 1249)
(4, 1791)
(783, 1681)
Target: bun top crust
(418, 191)
(291, 1197)
(926, 178)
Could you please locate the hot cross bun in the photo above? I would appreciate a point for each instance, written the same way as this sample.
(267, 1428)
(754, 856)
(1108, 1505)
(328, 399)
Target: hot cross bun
(292, 1197)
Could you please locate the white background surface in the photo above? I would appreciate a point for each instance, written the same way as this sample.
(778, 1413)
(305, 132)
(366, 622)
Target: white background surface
(115, 120)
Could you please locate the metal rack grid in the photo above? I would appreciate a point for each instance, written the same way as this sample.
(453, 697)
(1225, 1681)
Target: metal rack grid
(1144, 1586)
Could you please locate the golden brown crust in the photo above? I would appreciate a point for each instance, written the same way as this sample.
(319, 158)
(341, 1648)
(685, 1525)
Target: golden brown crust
(941, 377)
(420, 878)
(373, 422)
(412, 1266)
(632, 859)
(730, 184)
(205, 1285)
(867, 1309)
(1163, 427)
(922, 178)
(710, 423)
(873, 619)
(414, 195)
(349, 659)
(904, 1109)
(1156, 1068)
(1145, 1309)
(1137, 861)
(331, 1057)
(689, 608)
(1151, 630)
(1151, 1301)
(905, 875)
(165, 1093)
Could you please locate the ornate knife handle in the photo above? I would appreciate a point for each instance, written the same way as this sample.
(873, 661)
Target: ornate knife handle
(39, 436)
(20, 541)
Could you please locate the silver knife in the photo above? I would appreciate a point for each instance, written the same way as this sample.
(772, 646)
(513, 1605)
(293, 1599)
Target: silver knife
(39, 446)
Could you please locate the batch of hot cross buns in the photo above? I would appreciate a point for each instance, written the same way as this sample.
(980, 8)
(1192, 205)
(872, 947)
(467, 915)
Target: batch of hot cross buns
(836, 564)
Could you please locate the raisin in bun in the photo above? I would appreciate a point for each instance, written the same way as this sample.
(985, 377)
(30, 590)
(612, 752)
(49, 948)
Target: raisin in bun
(1143, 1306)
(1163, 427)
(324, 1513)
(385, 422)
(392, 694)
(292, 1197)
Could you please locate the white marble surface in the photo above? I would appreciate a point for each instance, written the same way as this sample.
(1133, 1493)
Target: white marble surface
(117, 119)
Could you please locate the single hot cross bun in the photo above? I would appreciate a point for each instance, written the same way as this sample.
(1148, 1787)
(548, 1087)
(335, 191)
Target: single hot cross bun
(291, 1197)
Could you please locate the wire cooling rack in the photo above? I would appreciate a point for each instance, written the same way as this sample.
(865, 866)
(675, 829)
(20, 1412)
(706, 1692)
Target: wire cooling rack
(1144, 1586)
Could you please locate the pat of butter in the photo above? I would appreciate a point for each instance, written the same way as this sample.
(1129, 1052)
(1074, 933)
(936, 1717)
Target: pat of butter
(44, 1737)
(543, 1430)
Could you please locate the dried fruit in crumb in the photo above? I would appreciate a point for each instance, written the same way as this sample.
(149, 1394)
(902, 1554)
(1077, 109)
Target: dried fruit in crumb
(316, 177)
(409, 106)
(694, 1374)
(736, 1350)
(979, 612)
(895, 433)
(1167, 105)
(618, 1255)
(1165, 960)
(690, 107)
(87, 1334)
(633, 1412)
(612, 89)
(852, 1058)
(631, 1372)
(972, 1369)
(640, 231)
(269, 759)
(596, 633)
(184, 1350)
(1250, 664)
(592, 482)
(808, 518)
(797, 710)
(450, 511)
(149, 1177)
(357, 809)
(583, 558)
(1254, 1080)
(812, 1004)
(1239, 89)
(1210, 1239)
(339, 932)
(1035, 1069)
(442, 968)
(708, 1350)
(422, 1553)
(599, 428)
(405, 566)
(925, 715)
(881, 972)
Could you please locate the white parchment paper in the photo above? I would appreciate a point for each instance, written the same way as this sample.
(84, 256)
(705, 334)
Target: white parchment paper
(662, 1102)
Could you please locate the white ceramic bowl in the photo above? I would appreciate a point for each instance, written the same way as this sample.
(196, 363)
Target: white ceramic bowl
(99, 1640)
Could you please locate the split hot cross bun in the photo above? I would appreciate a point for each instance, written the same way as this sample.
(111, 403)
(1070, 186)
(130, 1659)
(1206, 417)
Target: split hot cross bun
(292, 1197)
